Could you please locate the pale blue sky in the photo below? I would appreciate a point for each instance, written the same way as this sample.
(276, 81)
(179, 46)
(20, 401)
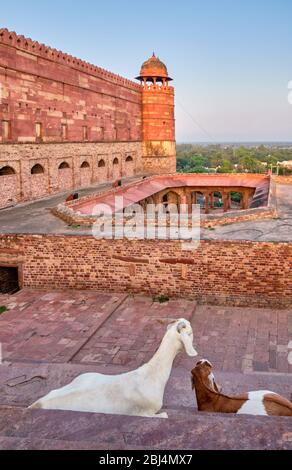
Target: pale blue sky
(231, 60)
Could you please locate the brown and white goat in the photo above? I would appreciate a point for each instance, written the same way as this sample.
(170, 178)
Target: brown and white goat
(210, 398)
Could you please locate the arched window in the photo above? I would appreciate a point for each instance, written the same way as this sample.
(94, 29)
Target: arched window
(116, 161)
(101, 164)
(64, 166)
(6, 171)
(85, 165)
(129, 159)
(37, 169)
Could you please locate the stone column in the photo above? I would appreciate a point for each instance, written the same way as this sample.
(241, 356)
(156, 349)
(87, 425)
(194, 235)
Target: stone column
(207, 200)
(229, 201)
(245, 200)
(225, 202)
(189, 201)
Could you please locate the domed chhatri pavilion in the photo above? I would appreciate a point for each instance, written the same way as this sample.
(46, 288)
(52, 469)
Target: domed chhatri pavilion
(154, 69)
(159, 150)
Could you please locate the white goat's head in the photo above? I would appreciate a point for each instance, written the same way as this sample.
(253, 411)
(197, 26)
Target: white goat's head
(183, 332)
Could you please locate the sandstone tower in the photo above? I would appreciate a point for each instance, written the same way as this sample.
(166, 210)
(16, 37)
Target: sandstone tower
(159, 149)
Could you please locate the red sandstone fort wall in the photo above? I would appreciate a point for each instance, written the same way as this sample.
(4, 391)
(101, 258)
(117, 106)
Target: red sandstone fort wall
(261, 275)
(56, 109)
(40, 85)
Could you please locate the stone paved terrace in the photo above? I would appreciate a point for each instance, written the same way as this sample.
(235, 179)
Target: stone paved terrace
(36, 218)
(49, 338)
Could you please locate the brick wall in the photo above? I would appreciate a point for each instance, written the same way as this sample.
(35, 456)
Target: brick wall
(221, 272)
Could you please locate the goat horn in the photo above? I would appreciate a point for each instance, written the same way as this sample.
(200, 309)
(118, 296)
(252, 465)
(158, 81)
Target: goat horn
(181, 326)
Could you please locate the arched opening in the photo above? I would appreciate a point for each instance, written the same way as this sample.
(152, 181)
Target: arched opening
(9, 185)
(64, 166)
(129, 170)
(217, 201)
(65, 177)
(236, 200)
(39, 183)
(102, 175)
(170, 199)
(37, 169)
(149, 205)
(116, 169)
(85, 176)
(198, 198)
(7, 171)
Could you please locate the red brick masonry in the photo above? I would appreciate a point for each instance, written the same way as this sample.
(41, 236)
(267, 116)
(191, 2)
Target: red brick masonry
(220, 272)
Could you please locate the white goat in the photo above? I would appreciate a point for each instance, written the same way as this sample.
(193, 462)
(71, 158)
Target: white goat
(136, 393)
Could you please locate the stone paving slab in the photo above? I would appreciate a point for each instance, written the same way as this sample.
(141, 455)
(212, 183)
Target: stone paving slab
(50, 429)
(47, 327)
(133, 333)
(108, 329)
(244, 339)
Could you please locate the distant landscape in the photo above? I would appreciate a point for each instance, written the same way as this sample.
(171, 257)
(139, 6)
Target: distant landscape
(233, 158)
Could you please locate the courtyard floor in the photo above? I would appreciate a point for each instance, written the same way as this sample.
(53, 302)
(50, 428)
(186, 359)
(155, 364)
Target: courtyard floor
(48, 338)
(36, 218)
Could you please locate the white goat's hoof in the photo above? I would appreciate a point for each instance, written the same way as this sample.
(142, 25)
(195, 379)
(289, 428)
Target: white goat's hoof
(162, 415)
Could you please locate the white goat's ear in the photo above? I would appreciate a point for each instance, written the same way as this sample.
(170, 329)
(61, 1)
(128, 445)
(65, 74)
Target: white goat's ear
(188, 344)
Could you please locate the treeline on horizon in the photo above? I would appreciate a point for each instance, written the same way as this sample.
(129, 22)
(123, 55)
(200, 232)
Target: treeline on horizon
(196, 158)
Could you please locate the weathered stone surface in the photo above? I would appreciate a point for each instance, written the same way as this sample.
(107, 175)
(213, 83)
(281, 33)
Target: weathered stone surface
(51, 429)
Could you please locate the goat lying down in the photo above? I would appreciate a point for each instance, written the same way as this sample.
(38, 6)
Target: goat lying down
(210, 398)
(136, 393)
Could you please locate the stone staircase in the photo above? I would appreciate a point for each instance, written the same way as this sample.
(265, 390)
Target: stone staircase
(186, 428)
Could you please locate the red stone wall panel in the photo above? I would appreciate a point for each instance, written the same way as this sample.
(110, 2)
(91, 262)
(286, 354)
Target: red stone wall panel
(39, 185)
(9, 190)
(261, 275)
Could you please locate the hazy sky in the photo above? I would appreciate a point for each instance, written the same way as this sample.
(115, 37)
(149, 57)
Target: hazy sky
(231, 60)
